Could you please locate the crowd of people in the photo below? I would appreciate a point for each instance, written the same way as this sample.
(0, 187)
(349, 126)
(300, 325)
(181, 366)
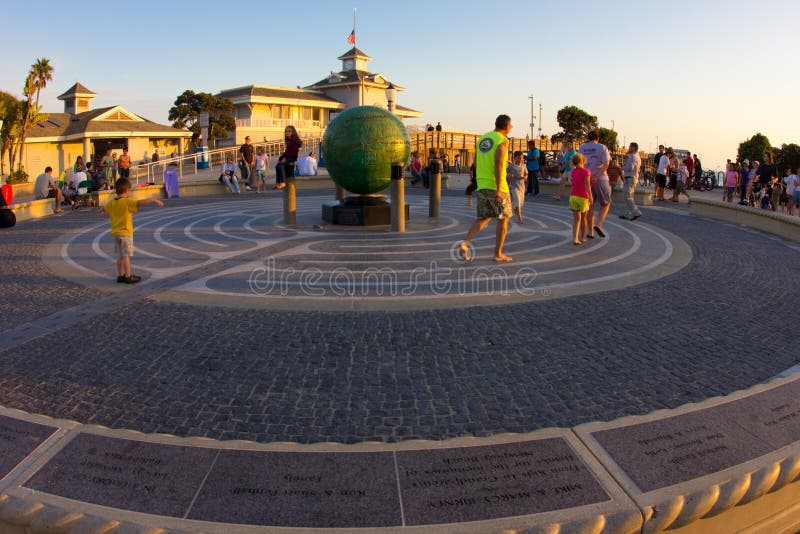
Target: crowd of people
(253, 165)
(500, 185)
(758, 184)
(93, 176)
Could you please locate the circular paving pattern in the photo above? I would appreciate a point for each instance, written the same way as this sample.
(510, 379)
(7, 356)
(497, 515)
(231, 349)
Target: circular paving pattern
(372, 268)
(636, 335)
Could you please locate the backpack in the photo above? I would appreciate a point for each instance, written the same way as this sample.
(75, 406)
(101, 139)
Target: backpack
(8, 195)
(7, 217)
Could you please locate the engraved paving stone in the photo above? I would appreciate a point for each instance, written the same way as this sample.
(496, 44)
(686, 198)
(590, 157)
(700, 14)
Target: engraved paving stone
(18, 439)
(773, 415)
(134, 475)
(660, 453)
(477, 483)
(322, 490)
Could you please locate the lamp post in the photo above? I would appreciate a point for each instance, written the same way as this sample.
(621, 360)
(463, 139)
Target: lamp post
(540, 120)
(532, 115)
(391, 97)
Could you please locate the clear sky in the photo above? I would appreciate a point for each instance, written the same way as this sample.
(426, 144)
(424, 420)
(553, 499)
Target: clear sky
(702, 75)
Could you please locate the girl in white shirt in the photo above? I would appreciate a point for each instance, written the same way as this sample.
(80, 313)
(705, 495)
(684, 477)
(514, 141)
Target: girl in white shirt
(262, 163)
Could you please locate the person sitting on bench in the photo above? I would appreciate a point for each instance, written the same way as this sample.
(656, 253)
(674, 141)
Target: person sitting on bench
(228, 176)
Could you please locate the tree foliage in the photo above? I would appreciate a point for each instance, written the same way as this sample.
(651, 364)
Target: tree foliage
(788, 157)
(575, 123)
(608, 137)
(42, 71)
(754, 148)
(185, 113)
(19, 116)
(10, 109)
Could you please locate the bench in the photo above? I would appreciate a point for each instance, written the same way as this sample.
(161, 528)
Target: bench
(767, 221)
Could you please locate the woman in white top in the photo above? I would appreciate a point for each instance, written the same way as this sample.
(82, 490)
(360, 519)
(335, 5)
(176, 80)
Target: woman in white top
(792, 190)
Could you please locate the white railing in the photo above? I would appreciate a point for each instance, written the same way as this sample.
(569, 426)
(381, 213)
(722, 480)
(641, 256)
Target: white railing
(187, 165)
(276, 123)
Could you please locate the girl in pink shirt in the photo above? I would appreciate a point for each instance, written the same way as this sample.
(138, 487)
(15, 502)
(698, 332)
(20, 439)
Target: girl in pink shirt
(731, 180)
(580, 198)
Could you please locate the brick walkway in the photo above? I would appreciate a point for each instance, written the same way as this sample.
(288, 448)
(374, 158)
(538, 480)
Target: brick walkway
(714, 327)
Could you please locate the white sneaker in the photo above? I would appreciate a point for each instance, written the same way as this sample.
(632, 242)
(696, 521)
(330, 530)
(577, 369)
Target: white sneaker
(248, 188)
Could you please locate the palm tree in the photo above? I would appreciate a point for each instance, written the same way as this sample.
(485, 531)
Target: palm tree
(32, 111)
(42, 72)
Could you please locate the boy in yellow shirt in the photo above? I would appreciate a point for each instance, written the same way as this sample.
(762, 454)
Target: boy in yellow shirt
(120, 210)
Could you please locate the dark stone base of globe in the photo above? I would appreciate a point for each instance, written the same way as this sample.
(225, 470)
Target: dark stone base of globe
(361, 210)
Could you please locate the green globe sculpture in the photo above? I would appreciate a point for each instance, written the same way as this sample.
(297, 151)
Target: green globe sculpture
(361, 144)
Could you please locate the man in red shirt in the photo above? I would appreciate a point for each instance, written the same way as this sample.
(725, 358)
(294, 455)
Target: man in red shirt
(690, 165)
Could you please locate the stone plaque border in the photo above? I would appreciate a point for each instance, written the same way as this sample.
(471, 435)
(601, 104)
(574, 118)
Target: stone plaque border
(61, 428)
(706, 496)
(761, 492)
(23, 506)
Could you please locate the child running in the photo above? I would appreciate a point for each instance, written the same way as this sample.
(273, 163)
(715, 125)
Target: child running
(680, 183)
(517, 175)
(120, 210)
(580, 198)
(262, 163)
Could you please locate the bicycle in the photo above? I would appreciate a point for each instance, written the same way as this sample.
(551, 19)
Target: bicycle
(704, 182)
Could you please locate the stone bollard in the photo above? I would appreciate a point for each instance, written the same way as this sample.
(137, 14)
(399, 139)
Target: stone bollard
(398, 198)
(435, 169)
(290, 197)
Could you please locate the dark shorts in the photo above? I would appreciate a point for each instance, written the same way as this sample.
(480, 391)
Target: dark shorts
(124, 173)
(673, 179)
(490, 208)
(661, 180)
(51, 193)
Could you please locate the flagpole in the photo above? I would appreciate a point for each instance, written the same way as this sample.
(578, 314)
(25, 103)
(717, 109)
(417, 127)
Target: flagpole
(354, 26)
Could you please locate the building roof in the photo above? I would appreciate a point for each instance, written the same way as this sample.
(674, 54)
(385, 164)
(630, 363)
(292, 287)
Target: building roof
(68, 126)
(354, 53)
(407, 112)
(268, 94)
(354, 77)
(76, 90)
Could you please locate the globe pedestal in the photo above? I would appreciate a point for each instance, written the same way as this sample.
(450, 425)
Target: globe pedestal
(360, 210)
(361, 145)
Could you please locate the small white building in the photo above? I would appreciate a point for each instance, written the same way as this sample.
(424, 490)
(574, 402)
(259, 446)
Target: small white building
(83, 131)
(263, 112)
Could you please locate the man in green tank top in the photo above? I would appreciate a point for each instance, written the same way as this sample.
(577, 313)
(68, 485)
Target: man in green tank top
(493, 198)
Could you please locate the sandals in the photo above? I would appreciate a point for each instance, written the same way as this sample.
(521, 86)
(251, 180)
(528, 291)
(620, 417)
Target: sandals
(132, 279)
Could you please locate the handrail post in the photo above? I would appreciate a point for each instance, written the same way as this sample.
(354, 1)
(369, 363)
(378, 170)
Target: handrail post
(289, 197)
(435, 192)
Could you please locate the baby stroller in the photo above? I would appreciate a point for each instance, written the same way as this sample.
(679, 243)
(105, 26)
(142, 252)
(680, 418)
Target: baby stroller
(756, 194)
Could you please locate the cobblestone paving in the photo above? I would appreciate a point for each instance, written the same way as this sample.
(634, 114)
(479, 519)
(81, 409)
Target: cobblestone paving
(29, 290)
(712, 328)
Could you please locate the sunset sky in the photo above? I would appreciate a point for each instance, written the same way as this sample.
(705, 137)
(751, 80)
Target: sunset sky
(690, 74)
